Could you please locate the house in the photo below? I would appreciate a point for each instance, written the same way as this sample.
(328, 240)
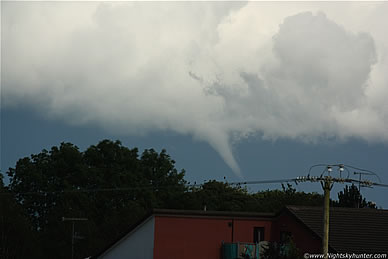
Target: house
(351, 230)
(190, 234)
(183, 234)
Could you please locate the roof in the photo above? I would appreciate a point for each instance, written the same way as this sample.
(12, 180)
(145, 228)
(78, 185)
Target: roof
(202, 213)
(351, 230)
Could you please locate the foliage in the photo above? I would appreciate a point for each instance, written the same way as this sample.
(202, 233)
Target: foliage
(287, 250)
(275, 200)
(352, 198)
(13, 225)
(218, 196)
(106, 184)
(225, 197)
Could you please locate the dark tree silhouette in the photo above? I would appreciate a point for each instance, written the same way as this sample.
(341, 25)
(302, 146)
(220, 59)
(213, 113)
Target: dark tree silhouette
(351, 197)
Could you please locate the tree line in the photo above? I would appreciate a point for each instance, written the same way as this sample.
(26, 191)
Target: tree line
(113, 186)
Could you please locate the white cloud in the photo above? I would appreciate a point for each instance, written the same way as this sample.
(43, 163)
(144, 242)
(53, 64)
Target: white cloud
(217, 71)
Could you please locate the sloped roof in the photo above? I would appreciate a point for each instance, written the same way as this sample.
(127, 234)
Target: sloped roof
(350, 230)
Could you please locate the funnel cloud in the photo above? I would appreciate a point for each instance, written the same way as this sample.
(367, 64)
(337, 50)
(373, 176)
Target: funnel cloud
(217, 71)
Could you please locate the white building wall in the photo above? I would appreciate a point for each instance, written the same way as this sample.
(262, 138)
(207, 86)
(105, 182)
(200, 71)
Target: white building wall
(138, 244)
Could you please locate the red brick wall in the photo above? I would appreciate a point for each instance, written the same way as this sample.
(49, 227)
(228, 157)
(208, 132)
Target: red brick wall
(200, 238)
(304, 239)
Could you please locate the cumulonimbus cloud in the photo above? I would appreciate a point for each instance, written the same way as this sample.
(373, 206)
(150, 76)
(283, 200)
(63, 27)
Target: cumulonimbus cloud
(217, 71)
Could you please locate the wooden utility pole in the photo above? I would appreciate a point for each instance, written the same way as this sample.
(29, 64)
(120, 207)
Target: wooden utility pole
(327, 184)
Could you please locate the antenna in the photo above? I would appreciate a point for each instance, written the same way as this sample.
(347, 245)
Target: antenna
(73, 233)
(360, 185)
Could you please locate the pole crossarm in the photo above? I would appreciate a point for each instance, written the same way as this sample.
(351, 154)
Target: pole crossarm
(74, 219)
(336, 180)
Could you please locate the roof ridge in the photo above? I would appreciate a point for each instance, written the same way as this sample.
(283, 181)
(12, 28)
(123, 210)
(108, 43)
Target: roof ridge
(336, 208)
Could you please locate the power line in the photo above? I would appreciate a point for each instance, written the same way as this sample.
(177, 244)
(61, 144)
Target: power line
(327, 182)
(364, 171)
(299, 179)
(145, 187)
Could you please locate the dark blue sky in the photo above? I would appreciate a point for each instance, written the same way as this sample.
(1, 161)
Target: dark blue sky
(267, 89)
(24, 132)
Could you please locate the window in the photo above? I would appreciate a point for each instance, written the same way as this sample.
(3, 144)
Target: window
(258, 234)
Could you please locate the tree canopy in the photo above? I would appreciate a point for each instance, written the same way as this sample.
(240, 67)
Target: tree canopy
(109, 184)
(351, 197)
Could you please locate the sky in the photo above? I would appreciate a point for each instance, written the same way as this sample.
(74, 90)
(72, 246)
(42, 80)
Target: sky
(241, 90)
